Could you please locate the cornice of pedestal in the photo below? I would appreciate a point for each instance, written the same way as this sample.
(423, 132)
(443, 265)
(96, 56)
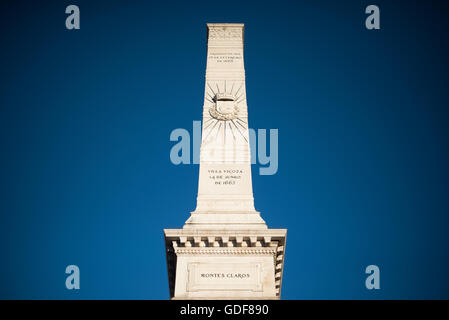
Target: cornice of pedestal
(269, 233)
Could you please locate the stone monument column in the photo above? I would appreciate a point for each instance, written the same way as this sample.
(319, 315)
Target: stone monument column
(225, 250)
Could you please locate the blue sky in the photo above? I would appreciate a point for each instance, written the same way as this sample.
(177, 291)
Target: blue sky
(86, 117)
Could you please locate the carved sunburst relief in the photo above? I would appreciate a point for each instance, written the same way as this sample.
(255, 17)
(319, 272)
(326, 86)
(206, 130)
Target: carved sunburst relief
(224, 110)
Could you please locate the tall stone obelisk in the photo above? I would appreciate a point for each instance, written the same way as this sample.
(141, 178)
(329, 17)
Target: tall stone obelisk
(225, 250)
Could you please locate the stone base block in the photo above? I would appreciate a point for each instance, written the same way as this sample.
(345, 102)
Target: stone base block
(225, 265)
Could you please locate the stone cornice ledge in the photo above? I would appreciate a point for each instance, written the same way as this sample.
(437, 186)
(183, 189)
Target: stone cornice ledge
(243, 232)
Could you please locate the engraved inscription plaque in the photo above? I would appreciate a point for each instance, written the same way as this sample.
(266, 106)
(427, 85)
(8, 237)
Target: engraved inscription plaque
(222, 276)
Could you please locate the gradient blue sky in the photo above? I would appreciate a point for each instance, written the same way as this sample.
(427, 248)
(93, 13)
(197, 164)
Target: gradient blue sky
(85, 173)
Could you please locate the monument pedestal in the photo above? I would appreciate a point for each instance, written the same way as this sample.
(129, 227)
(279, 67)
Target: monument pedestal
(225, 264)
(225, 250)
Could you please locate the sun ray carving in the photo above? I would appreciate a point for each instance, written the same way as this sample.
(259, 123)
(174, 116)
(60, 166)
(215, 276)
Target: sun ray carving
(224, 111)
(211, 88)
(210, 130)
(243, 136)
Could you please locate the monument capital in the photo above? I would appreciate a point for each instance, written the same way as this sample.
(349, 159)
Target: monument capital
(225, 31)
